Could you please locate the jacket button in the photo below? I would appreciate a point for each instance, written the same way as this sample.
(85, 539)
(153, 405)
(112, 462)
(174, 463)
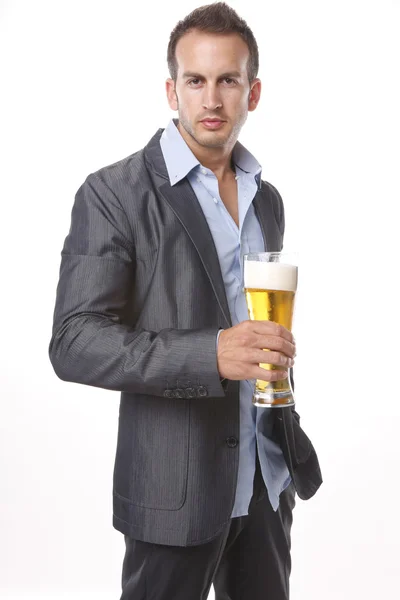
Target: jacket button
(168, 394)
(231, 442)
(190, 392)
(202, 391)
(179, 393)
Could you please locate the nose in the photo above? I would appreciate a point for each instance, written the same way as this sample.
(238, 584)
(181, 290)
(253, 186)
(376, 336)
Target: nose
(211, 99)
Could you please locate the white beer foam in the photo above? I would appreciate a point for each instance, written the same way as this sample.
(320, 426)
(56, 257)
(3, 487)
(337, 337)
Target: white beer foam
(270, 276)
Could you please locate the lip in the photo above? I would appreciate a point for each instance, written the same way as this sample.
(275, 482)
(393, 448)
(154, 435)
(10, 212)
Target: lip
(212, 123)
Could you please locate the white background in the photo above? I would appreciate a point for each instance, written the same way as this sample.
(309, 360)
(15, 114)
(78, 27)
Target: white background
(82, 87)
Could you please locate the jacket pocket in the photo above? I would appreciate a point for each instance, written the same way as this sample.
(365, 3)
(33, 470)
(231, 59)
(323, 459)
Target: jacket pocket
(151, 466)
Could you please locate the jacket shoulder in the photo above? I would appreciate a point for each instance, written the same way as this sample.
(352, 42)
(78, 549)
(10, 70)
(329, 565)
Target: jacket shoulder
(132, 169)
(125, 170)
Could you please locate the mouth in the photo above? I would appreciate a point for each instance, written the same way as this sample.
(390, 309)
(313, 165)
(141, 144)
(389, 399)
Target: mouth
(212, 123)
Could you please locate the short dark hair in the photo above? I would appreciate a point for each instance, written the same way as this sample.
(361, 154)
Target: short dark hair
(214, 18)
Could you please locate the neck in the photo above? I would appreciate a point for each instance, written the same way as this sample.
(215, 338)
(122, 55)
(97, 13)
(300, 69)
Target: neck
(219, 160)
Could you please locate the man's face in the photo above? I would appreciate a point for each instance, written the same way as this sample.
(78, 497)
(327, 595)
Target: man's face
(212, 82)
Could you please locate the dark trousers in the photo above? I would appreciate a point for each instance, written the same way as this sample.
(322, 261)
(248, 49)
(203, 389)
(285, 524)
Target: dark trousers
(249, 560)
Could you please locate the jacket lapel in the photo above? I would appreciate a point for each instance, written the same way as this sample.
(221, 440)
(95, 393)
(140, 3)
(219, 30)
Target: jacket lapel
(263, 206)
(183, 201)
(185, 205)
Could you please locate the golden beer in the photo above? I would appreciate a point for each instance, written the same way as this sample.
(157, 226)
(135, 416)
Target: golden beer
(270, 289)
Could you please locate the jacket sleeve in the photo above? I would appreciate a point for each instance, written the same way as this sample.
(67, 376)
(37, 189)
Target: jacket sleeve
(90, 342)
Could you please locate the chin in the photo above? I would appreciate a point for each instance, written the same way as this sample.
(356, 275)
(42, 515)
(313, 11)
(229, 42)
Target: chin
(213, 143)
(218, 137)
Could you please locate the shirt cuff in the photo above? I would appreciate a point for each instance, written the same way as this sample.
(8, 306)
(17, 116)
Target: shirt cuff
(218, 334)
(224, 381)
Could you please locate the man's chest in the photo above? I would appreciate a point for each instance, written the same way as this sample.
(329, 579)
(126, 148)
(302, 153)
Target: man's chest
(228, 192)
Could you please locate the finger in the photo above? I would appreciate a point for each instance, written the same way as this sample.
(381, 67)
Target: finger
(272, 358)
(266, 375)
(272, 328)
(271, 342)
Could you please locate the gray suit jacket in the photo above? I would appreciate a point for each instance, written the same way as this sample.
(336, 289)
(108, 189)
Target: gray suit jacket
(139, 303)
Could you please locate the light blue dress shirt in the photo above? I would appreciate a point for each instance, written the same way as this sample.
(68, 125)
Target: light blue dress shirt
(232, 243)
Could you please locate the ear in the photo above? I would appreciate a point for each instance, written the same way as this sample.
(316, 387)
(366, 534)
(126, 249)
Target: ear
(254, 94)
(171, 94)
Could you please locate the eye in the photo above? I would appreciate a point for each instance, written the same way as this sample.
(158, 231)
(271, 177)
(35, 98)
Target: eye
(229, 80)
(193, 81)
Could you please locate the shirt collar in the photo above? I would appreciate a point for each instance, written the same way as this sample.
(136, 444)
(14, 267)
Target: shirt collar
(180, 160)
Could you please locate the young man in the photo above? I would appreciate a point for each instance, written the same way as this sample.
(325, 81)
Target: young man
(150, 303)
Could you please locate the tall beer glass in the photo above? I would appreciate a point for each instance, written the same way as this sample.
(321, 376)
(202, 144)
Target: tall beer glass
(270, 284)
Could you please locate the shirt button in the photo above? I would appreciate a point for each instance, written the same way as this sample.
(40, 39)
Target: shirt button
(215, 200)
(204, 171)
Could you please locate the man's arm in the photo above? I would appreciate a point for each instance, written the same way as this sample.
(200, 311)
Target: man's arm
(90, 344)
